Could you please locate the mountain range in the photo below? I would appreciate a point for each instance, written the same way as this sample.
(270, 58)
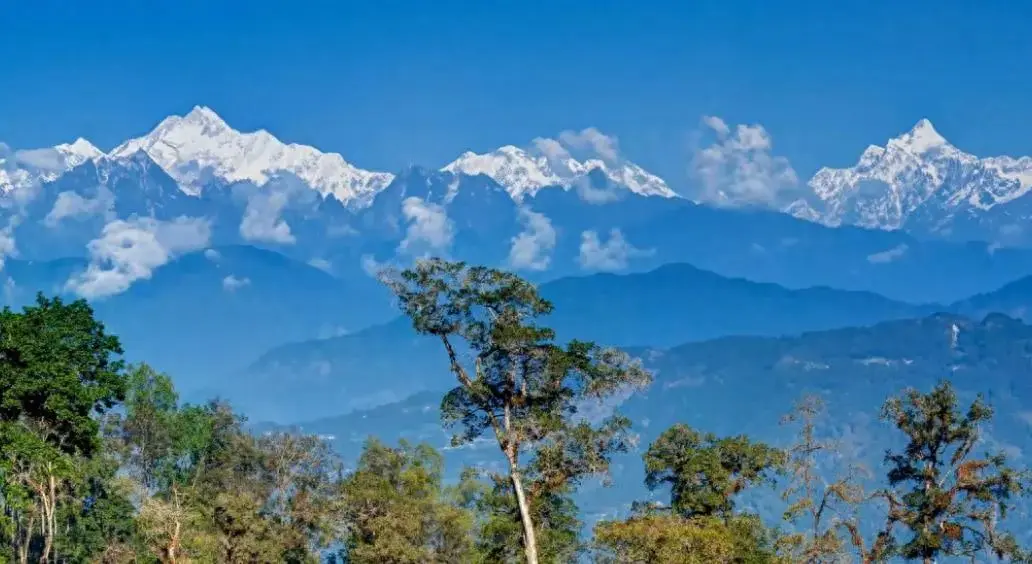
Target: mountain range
(556, 207)
(672, 305)
(298, 231)
(917, 181)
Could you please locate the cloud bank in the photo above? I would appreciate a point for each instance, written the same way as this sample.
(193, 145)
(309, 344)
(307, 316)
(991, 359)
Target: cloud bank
(532, 248)
(262, 221)
(610, 255)
(70, 205)
(429, 230)
(130, 250)
(738, 168)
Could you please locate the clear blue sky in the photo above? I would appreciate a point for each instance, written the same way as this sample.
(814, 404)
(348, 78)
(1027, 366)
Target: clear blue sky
(389, 83)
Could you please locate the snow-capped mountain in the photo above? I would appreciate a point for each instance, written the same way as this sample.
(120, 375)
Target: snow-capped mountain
(199, 146)
(920, 182)
(548, 163)
(27, 168)
(200, 149)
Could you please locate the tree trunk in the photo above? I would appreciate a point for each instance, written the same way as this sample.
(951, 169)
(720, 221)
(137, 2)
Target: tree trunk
(172, 550)
(529, 538)
(23, 550)
(50, 518)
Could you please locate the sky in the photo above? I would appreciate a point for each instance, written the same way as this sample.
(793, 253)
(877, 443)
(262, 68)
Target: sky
(392, 83)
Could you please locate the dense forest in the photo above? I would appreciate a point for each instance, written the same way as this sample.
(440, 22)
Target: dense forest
(100, 461)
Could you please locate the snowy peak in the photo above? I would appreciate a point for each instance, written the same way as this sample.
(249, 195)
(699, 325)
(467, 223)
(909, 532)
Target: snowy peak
(194, 147)
(516, 169)
(79, 151)
(564, 162)
(27, 168)
(921, 139)
(204, 115)
(917, 181)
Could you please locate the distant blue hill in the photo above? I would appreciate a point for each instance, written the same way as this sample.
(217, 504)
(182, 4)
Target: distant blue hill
(736, 385)
(670, 305)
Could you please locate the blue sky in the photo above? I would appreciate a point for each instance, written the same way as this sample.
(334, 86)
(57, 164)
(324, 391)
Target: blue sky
(391, 83)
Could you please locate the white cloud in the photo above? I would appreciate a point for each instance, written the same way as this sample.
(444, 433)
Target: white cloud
(231, 283)
(595, 195)
(212, 255)
(371, 266)
(739, 169)
(890, 255)
(593, 140)
(551, 149)
(46, 159)
(130, 250)
(321, 263)
(718, 125)
(574, 148)
(10, 289)
(613, 254)
(72, 205)
(262, 221)
(7, 243)
(429, 227)
(532, 248)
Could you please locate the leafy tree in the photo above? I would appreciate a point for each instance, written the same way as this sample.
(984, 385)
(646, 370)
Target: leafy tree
(398, 512)
(823, 509)
(59, 370)
(208, 489)
(947, 498)
(705, 472)
(499, 534)
(163, 448)
(271, 498)
(299, 484)
(520, 384)
(99, 523)
(668, 538)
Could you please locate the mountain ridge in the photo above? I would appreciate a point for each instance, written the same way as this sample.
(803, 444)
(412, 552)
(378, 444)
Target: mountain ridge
(663, 307)
(200, 146)
(919, 181)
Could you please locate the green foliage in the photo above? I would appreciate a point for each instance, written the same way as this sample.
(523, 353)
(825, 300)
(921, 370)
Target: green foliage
(946, 497)
(209, 490)
(58, 368)
(498, 527)
(522, 385)
(667, 538)
(705, 472)
(397, 510)
(59, 371)
(100, 519)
